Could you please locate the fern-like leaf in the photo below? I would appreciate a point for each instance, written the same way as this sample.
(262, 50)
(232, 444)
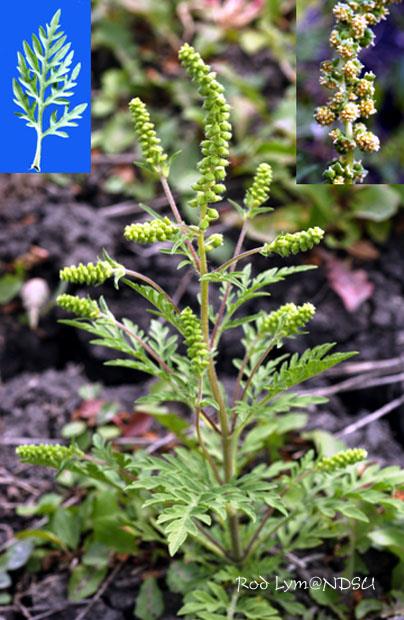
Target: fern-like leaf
(298, 369)
(250, 289)
(47, 78)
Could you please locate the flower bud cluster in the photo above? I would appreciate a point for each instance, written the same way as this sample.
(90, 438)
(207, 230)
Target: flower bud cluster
(340, 171)
(215, 147)
(257, 195)
(292, 243)
(366, 140)
(147, 137)
(81, 306)
(196, 346)
(213, 242)
(349, 112)
(354, 97)
(324, 115)
(341, 459)
(46, 455)
(150, 232)
(87, 274)
(287, 320)
(342, 143)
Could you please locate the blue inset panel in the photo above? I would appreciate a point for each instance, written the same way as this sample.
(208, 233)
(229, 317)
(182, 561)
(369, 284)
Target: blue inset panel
(60, 100)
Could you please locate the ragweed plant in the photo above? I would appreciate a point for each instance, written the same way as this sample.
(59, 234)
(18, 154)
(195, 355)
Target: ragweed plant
(47, 80)
(353, 101)
(218, 499)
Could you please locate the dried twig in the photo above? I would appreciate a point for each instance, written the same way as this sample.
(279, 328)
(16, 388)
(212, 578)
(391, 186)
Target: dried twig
(8, 479)
(355, 383)
(371, 417)
(104, 159)
(129, 208)
(160, 443)
(183, 286)
(100, 592)
(55, 610)
(352, 368)
(19, 441)
(144, 442)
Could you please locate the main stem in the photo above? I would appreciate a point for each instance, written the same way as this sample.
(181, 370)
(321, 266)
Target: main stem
(350, 155)
(226, 436)
(348, 130)
(222, 309)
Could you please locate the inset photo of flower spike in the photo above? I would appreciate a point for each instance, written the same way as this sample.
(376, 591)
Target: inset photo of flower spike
(46, 83)
(349, 104)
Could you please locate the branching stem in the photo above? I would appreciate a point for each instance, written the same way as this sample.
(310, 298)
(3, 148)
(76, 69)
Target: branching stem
(237, 258)
(173, 206)
(214, 544)
(257, 366)
(255, 539)
(153, 284)
(144, 346)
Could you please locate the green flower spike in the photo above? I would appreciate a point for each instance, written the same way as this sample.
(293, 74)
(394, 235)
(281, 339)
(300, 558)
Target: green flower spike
(288, 319)
(196, 346)
(258, 193)
(341, 460)
(215, 148)
(292, 243)
(83, 307)
(46, 455)
(147, 137)
(87, 274)
(150, 232)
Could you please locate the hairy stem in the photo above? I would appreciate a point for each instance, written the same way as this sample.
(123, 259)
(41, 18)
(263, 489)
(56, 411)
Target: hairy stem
(239, 257)
(220, 314)
(211, 542)
(257, 366)
(210, 421)
(122, 471)
(255, 540)
(238, 390)
(227, 440)
(267, 515)
(144, 345)
(152, 283)
(173, 206)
